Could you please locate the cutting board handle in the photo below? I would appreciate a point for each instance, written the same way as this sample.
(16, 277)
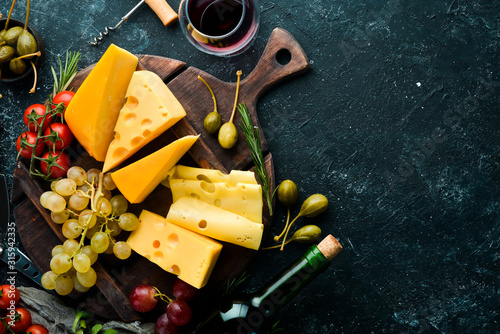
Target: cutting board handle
(283, 57)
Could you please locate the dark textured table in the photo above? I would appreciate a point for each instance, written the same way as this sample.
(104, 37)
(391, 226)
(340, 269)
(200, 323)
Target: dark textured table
(397, 123)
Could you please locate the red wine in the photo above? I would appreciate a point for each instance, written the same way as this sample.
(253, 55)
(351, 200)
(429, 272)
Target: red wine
(222, 27)
(215, 18)
(251, 315)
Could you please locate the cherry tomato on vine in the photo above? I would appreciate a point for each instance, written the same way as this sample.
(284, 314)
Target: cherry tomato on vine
(63, 97)
(22, 320)
(36, 329)
(33, 117)
(9, 296)
(24, 141)
(48, 164)
(59, 136)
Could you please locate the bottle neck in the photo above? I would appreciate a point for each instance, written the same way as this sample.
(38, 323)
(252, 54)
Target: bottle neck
(290, 282)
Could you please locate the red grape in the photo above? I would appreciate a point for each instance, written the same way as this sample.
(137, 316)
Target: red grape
(179, 312)
(184, 291)
(165, 326)
(143, 298)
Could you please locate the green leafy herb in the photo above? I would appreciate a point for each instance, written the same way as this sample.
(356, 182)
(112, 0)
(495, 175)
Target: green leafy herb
(80, 325)
(252, 138)
(67, 73)
(233, 284)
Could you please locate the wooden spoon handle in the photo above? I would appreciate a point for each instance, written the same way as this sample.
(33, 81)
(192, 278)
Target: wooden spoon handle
(270, 70)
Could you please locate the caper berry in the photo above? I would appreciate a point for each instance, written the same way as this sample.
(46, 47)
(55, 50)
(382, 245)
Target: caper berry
(228, 135)
(17, 66)
(26, 44)
(7, 52)
(288, 193)
(212, 122)
(306, 234)
(314, 205)
(12, 35)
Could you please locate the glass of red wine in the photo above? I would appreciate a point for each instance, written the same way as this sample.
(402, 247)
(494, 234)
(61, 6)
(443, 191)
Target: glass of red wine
(220, 27)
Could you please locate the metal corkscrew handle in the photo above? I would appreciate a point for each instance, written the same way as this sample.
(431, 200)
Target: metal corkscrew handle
(124, 18)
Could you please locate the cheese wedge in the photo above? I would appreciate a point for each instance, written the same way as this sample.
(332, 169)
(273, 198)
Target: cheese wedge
(209, 175)
(188, 255)
(92, 113)
(242, 199)
(151, 108)
(214, 222)
(137, 180)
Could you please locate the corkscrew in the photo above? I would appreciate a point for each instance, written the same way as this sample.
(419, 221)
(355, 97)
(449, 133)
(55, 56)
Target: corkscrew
(162, 9)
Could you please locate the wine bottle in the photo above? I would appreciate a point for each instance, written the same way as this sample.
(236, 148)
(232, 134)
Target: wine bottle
(251, 315)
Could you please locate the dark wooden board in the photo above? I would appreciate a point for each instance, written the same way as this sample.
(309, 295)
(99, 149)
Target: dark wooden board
(109, 298)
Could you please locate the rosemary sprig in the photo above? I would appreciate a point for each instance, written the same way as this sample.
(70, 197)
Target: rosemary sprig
(67, 73)
(252, 138)
(233, 284)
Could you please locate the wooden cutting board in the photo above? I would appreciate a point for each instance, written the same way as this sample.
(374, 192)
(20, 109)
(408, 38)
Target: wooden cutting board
(109, 298)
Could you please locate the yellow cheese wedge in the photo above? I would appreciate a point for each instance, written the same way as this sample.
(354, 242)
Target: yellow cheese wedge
(209, 175)
(188, 255)
(214, 222)
(91, 115)
(137, 180)
(242, 199)
(150, 109)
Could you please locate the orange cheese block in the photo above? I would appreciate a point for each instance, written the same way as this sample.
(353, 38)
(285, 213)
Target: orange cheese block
(188, 255)
(215, 222)
(137, 180)
(92, 113)
(150, 109)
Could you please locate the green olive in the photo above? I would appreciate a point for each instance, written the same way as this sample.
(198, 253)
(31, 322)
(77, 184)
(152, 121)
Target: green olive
(228, 136)
(314, 205)
(212, 122)
(2, 34)
(288, 192)
(26, 44)
(12, 35)
(7, 52)
(307, 234)
(17, 66)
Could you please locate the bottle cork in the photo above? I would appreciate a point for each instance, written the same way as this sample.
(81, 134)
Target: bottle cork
(330, 247)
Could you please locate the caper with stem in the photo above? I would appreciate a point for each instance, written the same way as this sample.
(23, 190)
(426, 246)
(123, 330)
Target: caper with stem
(312, 207)
(26, 42)
(3, 32)
(213, 120)
(304, 235)
(18, 65)
(228, 135)
(288, 194)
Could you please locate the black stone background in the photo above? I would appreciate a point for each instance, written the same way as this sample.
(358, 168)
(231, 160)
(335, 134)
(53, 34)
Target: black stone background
(397, 123)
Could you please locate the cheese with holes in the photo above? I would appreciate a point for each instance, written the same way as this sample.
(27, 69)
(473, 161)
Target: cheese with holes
(92, 113)
(214, 222)
(137, 180)
(188, 255)
(242, 199)
(209, 175)
(150, 109)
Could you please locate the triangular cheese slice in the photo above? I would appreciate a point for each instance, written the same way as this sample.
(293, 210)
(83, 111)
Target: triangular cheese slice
(150, 109)
(137, 180)
(92, 113)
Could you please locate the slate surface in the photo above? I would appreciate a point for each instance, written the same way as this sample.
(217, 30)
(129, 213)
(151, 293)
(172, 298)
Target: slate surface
(397, 123)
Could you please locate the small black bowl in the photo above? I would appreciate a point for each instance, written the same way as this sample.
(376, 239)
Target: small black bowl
(8, 76)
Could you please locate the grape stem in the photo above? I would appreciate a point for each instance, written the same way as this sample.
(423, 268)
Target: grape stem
(162, 296)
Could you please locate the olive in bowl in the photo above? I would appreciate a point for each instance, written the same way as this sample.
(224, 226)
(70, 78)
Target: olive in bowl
(15, 43)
